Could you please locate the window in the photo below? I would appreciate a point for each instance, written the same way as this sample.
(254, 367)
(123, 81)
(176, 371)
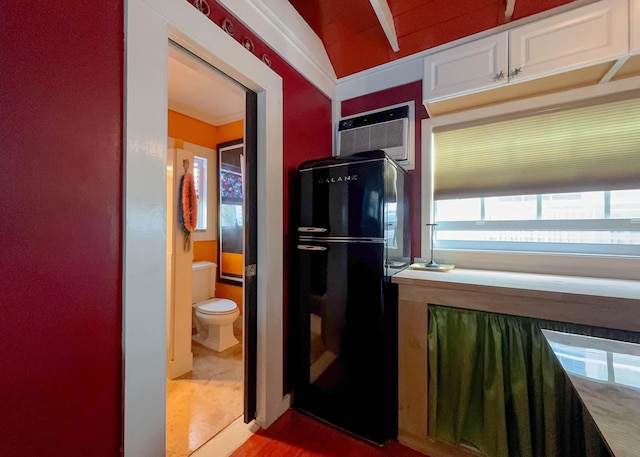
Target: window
(561, 181)
(200, 179)
(586, 222)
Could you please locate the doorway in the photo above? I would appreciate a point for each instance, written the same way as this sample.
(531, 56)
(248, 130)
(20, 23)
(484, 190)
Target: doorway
(148, 27)
(207, 129)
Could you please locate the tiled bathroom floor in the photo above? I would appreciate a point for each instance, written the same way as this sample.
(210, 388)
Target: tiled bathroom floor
(201, 404)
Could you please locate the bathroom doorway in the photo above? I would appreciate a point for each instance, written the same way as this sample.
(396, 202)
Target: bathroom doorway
(206, 389)
(148, 27)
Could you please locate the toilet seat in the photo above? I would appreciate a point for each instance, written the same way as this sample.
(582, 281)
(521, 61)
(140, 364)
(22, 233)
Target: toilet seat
(217, 306)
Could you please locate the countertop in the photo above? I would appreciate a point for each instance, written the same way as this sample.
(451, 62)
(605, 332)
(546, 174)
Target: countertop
(597, 302)
(606, 375)
(612, 288)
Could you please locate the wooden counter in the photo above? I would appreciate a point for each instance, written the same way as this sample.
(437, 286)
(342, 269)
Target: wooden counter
(588, 301)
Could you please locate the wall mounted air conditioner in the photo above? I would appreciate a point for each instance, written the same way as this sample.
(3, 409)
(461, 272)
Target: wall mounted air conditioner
(390, 129)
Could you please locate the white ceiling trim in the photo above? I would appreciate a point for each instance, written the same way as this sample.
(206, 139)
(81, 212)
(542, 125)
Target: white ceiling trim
(382, 10)
(205, 116)
(284, 30)
(238, 116)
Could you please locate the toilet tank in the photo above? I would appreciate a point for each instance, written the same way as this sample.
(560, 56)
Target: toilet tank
(203, 281)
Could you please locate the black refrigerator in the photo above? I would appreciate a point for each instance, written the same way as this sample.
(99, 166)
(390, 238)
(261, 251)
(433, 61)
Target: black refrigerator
(352, 236)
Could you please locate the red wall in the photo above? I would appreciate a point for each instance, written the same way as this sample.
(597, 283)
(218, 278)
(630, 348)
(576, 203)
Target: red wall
(393, 96)
(60, 186)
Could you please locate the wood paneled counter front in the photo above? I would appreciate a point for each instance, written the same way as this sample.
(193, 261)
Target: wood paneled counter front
(589, 301)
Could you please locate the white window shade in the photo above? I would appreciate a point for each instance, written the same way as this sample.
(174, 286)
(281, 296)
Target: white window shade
(580, 149)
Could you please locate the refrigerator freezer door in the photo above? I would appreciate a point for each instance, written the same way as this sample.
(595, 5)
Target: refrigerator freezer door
(346, 199)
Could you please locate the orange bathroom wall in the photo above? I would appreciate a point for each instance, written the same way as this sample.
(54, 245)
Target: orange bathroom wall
(198, 132)
(192, 130)
(233, 293)
(234, 263)
(231, 131)
(205, 250)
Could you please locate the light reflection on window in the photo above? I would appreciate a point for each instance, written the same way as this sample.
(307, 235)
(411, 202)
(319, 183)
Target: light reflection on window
(391, 225)
(605, 366)
(464, 209)
(589, 363)
(626, 369)
(624, 204)
(573, 205)
(514, 208)
(200, 181)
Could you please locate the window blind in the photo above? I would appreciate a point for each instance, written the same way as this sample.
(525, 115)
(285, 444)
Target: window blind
(581, 149)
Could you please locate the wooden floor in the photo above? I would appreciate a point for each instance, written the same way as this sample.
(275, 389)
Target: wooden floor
(297, 435)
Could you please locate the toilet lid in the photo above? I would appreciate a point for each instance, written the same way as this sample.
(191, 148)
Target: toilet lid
(217, 306)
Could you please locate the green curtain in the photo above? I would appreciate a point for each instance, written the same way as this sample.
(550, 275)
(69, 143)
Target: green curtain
(495, 385)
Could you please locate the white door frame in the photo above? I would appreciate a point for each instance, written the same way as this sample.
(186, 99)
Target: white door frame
(149, 24)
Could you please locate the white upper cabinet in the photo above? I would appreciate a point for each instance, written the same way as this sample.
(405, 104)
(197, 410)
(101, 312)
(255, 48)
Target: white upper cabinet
(634, 15)
(591, 34)
(471, 67)
(576, 38)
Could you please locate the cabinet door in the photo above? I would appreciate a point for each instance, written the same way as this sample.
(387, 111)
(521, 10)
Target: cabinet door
(466, 68)
(590, 34)
(634, 16)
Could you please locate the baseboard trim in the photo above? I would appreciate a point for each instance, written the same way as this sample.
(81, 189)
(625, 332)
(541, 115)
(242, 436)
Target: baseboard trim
(180, 365)
(228, 440)
(432, 448)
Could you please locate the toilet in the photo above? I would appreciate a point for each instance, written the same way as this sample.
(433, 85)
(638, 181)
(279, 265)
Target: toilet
(213, 317)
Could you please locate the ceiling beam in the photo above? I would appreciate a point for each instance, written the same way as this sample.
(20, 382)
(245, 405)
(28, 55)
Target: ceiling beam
(508, 11)
(381, 7)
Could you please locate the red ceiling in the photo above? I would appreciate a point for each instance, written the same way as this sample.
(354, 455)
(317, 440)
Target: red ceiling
(355, 41)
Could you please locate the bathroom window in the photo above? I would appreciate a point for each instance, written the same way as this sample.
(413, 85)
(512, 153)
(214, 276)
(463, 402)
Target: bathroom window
(200, 178)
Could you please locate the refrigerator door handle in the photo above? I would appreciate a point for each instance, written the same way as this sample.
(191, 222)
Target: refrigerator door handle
(312, 229)
(307, 247)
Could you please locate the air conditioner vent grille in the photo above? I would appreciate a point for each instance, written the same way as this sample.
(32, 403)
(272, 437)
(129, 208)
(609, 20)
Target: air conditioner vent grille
(378, 136)
(390, 130)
